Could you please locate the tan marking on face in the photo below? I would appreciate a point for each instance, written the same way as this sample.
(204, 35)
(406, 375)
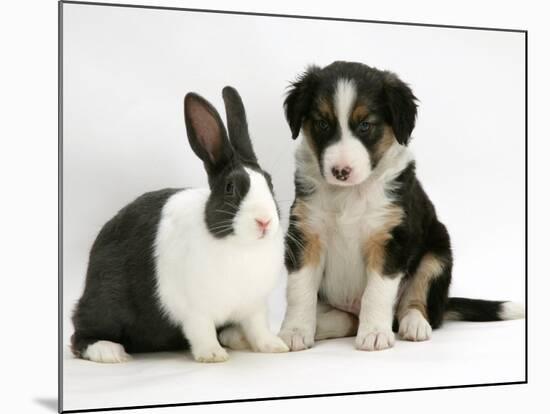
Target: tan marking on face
(359, 113)
(311, 253)
(415, 293)
(326, 110)
(375, 245)
(388, 138)
(306, 129)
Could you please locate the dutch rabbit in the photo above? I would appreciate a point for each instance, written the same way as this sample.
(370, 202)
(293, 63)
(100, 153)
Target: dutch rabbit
(177, 268)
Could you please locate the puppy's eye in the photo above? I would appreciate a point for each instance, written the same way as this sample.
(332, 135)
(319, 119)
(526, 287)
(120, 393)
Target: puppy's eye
(229, 188)
(321, 124)
(363, 126)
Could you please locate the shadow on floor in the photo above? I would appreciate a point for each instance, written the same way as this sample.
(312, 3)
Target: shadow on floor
(49, 403)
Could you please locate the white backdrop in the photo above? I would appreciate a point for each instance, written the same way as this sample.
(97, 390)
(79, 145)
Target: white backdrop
(126, 72)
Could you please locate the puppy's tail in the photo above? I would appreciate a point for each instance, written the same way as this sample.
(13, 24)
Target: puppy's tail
(478, 310)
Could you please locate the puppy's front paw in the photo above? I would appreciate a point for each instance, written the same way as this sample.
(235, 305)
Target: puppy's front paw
(414, 327)
(270, 344)
(374, 339)
(297, 339)
(213, 354)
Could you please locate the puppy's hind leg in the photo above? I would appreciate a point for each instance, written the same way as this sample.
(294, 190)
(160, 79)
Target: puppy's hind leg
(334, 323)
(424, 298)
(233, 337)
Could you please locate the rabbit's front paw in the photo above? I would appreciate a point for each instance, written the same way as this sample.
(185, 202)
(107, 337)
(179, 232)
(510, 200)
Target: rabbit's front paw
(270, 344)
(297, 339)
(216, 354)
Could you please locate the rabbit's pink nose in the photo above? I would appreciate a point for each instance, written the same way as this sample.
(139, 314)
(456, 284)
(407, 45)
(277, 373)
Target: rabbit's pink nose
(263, 224)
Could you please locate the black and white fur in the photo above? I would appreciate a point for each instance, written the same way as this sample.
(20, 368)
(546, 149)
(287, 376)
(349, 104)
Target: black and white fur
(364, 249)
(176, 267)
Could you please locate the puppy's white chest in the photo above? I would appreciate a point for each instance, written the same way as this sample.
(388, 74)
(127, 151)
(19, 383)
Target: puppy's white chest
(345, 230)
(344, 274)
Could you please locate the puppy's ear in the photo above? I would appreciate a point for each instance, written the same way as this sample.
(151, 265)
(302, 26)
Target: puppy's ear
(299, 98)
(400, 107)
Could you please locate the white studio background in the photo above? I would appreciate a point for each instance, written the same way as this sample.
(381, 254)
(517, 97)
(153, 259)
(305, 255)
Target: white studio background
(29, 170)
(127, 70)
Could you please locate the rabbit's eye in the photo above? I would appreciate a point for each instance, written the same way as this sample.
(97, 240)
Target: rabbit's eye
(229, 188)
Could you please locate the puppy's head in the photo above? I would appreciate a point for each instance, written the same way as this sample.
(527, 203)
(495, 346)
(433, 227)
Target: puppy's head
(350, 115)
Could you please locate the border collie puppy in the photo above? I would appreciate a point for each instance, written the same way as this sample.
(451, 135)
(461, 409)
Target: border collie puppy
(364, 249)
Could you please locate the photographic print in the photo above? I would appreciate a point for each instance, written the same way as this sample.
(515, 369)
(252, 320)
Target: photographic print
(263, 206)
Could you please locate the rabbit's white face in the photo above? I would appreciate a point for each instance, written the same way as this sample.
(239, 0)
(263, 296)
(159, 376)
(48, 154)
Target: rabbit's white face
(257, 217)
(241, 202)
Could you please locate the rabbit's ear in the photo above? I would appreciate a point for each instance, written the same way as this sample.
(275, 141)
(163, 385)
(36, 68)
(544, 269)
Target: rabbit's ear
(206, 132)
(237, 125)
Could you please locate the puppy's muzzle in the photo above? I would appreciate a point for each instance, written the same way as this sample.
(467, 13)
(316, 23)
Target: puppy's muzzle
(341, 174)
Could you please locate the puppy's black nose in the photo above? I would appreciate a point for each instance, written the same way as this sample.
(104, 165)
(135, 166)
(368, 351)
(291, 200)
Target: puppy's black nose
(341, 174)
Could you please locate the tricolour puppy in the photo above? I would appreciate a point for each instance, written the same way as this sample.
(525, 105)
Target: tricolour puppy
(364, 246)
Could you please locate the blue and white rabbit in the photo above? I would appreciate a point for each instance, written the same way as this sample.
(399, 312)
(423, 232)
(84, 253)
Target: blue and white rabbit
(177, 268)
